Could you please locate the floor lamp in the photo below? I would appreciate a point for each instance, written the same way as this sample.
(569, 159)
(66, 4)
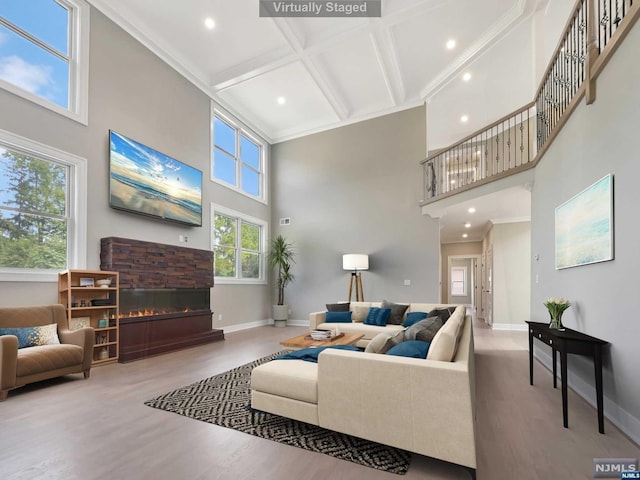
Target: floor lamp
(355, 262)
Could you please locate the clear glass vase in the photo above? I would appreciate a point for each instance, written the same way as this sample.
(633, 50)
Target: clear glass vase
(556, 321)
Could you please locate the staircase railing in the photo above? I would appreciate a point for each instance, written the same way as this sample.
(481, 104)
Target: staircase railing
(517, 141)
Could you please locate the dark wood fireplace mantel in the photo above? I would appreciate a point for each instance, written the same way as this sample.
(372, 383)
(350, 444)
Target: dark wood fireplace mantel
(149, 265)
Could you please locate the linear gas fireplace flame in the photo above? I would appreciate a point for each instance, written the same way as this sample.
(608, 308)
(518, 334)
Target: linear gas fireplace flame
(162, 302)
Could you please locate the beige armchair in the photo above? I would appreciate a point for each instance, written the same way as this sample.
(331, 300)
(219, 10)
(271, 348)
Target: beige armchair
(19, 367)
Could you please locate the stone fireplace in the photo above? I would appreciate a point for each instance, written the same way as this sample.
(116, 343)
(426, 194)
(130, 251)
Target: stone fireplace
(164, 296)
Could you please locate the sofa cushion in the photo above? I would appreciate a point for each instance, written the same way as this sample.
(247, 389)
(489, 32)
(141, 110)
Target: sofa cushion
(397, 311)
(338, 317)
(414, 317)
(424, 330)
(310, 354)
(410, 348)
(445, 343)
(382, 342)
(34, 336)
(44, 358)
(360, 311)
(378, 316)
(338, 307)
(293, 379)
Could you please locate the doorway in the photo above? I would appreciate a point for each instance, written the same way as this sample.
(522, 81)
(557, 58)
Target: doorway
(463, 281)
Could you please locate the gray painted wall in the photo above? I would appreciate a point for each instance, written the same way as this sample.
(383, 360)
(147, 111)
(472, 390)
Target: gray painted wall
(511, 273)
(356, 189)
(599, 139)
(135, 93)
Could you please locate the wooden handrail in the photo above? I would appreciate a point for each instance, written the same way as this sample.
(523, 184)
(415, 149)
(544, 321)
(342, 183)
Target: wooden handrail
(478, 132)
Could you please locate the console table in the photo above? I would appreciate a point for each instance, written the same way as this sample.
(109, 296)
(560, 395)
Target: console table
(569, 341)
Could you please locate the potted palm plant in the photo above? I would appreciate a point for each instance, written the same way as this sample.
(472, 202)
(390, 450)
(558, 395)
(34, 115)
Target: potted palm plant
(280, 258)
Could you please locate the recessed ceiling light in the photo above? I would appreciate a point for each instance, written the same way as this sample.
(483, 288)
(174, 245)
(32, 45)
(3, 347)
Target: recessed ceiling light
(209, 23)
(464, 235)
(464, 118)
(478, 152)
(466, 77)
(453, 182)
(467, 225)
(281, 100)
(471, 210)
(451, 44)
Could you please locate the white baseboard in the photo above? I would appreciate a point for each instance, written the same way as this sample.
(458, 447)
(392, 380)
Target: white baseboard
(261, 323)
(514, 327)
(622, 419)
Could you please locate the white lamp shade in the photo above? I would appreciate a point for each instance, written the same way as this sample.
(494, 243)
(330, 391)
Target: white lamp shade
(355, 261)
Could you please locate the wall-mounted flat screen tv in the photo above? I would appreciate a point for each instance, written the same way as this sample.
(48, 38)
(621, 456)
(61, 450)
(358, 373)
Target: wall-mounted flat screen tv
(145, 181)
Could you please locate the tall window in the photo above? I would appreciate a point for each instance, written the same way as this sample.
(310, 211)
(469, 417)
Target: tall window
(459, 281)
(44, 53)
(42, 216)
(238, 243)
(238, 157)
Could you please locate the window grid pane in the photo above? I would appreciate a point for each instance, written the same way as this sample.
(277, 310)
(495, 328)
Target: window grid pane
(33, 69)
(250, 153)
(225, 231)
(225, 262)
(224, 136)
(224, 167)
(249, 237)
(250, 265)
(50, 25)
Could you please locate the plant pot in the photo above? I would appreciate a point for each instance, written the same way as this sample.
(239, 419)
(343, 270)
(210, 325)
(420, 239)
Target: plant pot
(280, 315)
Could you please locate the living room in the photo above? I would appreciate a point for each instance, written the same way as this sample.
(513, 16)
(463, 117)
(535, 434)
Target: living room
(351, 189)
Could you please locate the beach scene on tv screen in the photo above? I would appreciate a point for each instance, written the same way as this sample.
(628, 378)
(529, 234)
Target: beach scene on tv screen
(146, 181)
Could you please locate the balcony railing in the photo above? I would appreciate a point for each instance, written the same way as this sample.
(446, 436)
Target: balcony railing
(518, 141)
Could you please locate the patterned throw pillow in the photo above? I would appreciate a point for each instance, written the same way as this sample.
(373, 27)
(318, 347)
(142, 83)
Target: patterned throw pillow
(34, 336)
(424, 330)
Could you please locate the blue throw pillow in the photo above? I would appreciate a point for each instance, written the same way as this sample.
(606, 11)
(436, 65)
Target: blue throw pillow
(311, 354)
(410, 348)
(338, 317)
(414, 317)
(377, 316)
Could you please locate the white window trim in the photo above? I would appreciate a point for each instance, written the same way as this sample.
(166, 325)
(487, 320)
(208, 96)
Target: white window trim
(465, 292)
(251, 135)
(265, 236)
(77, 201)
(79, 20)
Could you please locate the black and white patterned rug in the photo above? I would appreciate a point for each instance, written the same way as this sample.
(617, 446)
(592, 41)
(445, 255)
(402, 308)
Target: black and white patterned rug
(224, 400)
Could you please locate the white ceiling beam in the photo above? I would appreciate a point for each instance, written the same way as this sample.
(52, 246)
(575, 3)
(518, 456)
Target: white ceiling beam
(387, 55)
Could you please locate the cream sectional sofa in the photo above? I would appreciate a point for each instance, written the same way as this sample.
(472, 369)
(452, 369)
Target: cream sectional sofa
(426, 406)
(359, 311)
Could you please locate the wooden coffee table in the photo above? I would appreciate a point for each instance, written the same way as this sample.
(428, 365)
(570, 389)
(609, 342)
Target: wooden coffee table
(305, 340)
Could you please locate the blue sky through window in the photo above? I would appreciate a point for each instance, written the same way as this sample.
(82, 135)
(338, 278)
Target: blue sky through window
(27, 65)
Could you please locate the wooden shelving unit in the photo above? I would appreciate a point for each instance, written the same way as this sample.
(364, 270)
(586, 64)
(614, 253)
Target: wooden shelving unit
(89, 304)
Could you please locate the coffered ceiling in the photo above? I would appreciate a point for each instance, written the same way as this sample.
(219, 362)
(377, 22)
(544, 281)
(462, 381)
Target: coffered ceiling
(332, 72)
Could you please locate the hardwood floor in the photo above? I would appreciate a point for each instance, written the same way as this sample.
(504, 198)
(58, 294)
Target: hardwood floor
(99, 428)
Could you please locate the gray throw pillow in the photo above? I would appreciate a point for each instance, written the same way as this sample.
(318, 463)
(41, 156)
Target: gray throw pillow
(444, 313)
(397, 312)
(338, 307)
(424, 330)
